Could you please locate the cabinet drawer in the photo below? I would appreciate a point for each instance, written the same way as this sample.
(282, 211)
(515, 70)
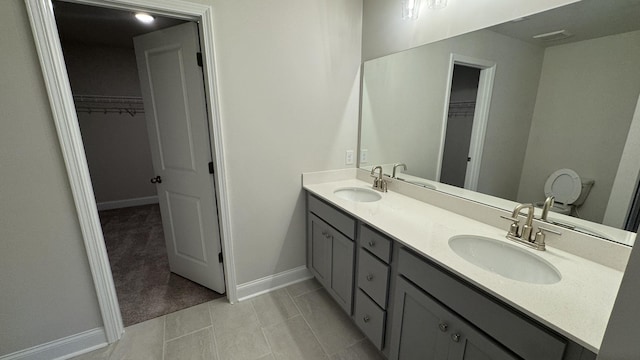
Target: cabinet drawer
(373, 277)
(378, 244)
(339, 220)
(370, 319)
(522, 336)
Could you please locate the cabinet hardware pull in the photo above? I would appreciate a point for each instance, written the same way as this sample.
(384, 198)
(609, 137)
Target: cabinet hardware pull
(372, 243)
(369, 277)
(366, 318)
(443, 327)
(455, 337)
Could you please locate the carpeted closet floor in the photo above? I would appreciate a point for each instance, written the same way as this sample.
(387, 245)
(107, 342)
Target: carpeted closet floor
(146, 288)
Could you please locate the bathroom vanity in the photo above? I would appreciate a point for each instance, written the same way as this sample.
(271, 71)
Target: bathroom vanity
(388, 264)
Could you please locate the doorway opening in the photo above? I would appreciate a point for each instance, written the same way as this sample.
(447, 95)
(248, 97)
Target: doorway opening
(136, 214)
(465, 120)
(462, 104)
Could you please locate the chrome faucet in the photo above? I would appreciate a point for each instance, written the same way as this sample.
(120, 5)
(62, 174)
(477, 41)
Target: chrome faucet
(378, 183)
(527, 227)
(548, 204)
(526, 236)
(395, 167)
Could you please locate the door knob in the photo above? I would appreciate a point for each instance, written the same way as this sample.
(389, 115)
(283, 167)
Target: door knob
(156, 180)
(455, 337)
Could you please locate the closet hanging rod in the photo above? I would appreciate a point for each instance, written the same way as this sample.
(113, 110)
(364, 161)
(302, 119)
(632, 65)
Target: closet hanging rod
(103, 99)
(131, 105)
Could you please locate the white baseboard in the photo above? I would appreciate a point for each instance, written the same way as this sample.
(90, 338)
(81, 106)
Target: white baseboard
(273, 282)
(118, 204)
(64, 348)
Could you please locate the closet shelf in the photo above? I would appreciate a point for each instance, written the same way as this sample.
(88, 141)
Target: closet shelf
(462, 108)
(101, 104)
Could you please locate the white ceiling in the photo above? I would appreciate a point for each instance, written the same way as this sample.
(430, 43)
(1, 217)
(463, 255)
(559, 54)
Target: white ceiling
(587, 19)
(102, 26)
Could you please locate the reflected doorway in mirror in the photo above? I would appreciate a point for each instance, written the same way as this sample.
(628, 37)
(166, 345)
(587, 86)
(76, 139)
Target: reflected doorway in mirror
(469, 89)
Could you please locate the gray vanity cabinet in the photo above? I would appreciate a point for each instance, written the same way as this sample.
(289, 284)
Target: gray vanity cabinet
(425, 329)
(331, 249)
(480, 326)
(412, 308)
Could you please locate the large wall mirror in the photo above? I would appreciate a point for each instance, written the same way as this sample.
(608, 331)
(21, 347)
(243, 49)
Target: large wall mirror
(491, 115)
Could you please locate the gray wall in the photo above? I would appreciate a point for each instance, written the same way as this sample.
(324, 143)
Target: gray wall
(116, 145)
(289, 92)
(46, 288)
(583, 127)
(621, 337)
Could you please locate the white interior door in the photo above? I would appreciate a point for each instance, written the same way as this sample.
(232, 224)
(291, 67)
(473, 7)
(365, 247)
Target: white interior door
(176, 113)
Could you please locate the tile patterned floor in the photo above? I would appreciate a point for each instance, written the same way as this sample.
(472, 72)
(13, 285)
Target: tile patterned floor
(298, 322)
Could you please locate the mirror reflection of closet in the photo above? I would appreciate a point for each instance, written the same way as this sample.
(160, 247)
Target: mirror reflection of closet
(462, 104)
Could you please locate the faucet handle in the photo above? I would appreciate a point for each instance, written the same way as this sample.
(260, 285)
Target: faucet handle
(540, 235)
(544, 229)
(515, 220)
(513, 228)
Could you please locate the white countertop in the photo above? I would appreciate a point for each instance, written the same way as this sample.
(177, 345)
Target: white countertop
(577, 307)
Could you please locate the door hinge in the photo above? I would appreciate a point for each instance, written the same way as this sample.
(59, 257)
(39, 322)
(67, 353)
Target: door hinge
(220, 256)
(199, 58)
(210, 167)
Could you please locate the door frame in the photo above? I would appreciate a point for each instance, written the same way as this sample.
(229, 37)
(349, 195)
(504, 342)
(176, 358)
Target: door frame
(480, 115)
(56, 80)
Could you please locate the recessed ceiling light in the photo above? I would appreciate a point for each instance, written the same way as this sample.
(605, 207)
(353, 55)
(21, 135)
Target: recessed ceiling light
(144, 18)
(554, 35)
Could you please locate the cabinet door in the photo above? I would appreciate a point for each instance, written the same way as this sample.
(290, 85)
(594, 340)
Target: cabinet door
(467, 343)
(321, 250)
(342, 269)
(420, 329)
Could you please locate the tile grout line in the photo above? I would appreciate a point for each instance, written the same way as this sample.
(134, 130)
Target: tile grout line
(164, 333)
(189, 333)
(304, 293)
(309, 325)
(262, 327)
(213, 332)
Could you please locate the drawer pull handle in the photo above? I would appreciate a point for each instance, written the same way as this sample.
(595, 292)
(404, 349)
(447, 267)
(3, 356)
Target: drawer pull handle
(443, 327)
(372, 243)
(369, 277)
(366, 318)
(455, 337)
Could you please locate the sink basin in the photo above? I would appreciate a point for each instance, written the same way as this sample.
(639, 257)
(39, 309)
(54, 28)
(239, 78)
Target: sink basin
(358, 194)
(504, 259)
